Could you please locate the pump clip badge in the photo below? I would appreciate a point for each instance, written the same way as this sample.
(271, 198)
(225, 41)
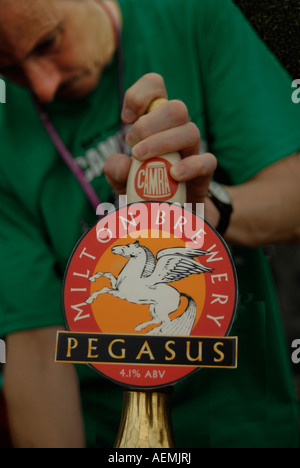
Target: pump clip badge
(150, 295)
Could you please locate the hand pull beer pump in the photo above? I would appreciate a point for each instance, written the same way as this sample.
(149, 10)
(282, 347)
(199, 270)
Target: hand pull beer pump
(187, 331)
(146, 420)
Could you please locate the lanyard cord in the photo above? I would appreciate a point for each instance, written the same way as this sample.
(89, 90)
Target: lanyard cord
(57, 141)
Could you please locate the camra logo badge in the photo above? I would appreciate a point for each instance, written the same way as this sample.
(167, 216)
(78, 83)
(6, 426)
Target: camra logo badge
(139, 293)
(154, 182)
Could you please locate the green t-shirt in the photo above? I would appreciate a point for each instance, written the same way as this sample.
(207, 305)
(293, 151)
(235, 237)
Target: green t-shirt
(240, 98)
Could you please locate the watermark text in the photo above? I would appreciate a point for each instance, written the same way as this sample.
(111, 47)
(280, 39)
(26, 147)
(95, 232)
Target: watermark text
(296, 93)
(296, 352)
(2, 92)
(139, 220)
(2, 352)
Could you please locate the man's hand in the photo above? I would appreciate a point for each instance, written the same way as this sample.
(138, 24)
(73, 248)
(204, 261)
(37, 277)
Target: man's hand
(165, 130)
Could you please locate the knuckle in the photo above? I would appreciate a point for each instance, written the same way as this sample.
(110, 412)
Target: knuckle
(213, 159)
(156, 80)
(193, 132)
(109, 164)
(133, 100)
(140, 94)
(129, 92)
(179, 111)
(194, 129)
(208, 164)
(141, 128)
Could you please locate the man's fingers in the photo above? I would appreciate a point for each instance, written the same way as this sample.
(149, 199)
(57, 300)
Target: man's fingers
(116, 169)
(167, 129)
(193, 167)
(170, 115)
(197, 172)
(186, 137)
(140, 95)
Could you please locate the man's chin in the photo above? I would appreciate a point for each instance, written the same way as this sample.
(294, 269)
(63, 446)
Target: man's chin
(75, 94)
(77, 90)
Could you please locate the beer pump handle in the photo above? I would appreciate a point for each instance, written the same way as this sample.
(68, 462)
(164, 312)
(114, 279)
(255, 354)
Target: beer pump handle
(146, 419)
(151, 180)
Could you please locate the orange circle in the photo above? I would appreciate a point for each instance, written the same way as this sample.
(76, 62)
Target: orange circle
(114, 315)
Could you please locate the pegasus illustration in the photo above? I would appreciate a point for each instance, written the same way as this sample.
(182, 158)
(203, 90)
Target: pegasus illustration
(144, 280)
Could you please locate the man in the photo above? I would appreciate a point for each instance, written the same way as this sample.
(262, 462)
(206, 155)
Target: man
(205, 55)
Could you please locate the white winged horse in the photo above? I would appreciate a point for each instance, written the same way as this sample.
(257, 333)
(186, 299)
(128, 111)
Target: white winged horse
(144, 280)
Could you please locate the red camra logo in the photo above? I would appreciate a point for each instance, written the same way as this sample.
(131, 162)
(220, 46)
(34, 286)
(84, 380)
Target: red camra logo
(154, 182)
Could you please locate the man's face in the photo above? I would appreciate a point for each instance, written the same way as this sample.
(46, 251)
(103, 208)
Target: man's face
(52, 47)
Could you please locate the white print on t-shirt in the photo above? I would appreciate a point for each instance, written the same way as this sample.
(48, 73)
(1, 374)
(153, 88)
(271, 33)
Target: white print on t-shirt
(92, 163)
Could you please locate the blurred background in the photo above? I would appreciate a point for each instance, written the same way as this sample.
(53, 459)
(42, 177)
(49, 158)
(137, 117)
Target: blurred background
(278, 23)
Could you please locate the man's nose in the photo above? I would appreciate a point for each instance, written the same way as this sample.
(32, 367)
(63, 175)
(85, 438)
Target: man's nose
(43, 78)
